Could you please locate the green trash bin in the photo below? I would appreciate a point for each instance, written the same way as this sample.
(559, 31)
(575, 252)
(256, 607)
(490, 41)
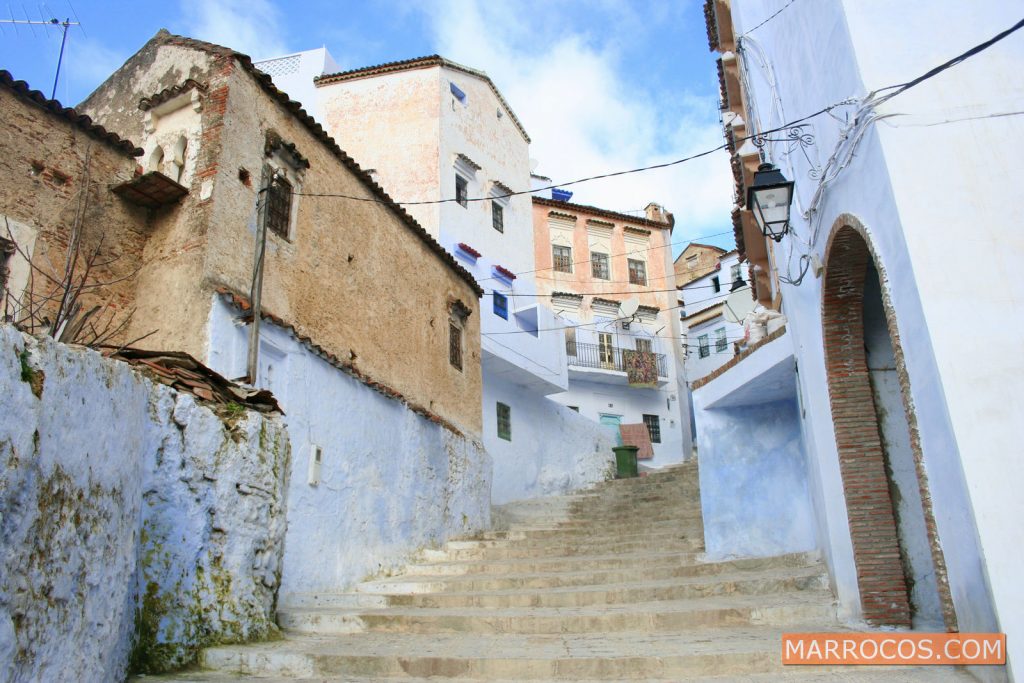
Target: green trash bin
(625, 462)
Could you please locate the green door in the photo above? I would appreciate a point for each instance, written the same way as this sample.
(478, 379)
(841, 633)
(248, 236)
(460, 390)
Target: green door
(613, 421)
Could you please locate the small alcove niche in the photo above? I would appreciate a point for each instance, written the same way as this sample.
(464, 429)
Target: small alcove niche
(281, 183)
(173, 127)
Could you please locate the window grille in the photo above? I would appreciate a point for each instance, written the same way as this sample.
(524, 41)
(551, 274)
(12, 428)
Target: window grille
(562, 257)
(643, 345)
(720, 342)
(497, 216)
(461, 190)
(637, 272)
(504, 422)
(703, 346)
(653, 423)
(599, 266)
(279, 205)
(455, 345)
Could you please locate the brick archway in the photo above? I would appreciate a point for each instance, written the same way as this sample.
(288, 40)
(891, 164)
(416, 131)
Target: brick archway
(885, 597)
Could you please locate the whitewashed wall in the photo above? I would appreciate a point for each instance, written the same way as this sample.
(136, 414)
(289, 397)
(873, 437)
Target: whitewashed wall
(391, 482)
(553, 449)
(933, 201)
(130, 515)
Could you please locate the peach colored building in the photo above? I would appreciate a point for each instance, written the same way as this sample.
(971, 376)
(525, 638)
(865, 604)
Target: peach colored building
(589, 262)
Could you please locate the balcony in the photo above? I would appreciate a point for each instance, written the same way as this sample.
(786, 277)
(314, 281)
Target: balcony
(604, 364)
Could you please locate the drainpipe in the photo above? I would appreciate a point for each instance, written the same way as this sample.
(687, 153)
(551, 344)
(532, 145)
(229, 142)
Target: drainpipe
(256, 292)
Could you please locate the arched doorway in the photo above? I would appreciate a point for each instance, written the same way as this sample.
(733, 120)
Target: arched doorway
(900, 568)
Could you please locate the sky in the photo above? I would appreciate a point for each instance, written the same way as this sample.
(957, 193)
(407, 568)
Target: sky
(600, 85)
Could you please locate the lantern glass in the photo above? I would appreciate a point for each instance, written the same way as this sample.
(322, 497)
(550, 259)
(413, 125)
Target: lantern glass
(769, 198)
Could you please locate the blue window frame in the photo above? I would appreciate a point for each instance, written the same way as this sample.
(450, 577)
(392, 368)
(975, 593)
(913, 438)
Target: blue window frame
(500, 305)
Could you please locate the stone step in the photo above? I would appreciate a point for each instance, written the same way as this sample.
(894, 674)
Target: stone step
(603, 656)
(866, 674)
(792, 607)
(556, 534)
(650, 564)
(566, 549)
(397, 594)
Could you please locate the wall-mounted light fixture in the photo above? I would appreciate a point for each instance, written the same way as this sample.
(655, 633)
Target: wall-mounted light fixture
(769, 198)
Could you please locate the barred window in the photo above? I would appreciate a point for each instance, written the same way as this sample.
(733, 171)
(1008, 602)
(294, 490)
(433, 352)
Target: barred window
(279, 205)
(455, 345)
(637, 272)
(562, 257)
(737, 272)
(504, 422)
(720, 342)
(703, 346)
(653, 423)
(599, 266)
(497, 216)
(461, 190)
(643, 345)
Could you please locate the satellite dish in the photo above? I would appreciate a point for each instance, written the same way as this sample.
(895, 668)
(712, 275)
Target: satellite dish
(738, 305)
(534, 163)
(629, 307)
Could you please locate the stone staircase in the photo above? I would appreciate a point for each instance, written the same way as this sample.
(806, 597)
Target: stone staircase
(608, 584)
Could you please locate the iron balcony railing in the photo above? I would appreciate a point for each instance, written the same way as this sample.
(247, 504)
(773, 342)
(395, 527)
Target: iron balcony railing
(604, 357)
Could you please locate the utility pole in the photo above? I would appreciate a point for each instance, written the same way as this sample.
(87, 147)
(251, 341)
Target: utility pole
(256, 292)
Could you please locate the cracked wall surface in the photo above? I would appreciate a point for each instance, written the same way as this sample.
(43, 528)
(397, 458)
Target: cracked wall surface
(136, 525)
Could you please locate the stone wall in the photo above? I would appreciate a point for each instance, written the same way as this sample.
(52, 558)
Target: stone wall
(135, 524)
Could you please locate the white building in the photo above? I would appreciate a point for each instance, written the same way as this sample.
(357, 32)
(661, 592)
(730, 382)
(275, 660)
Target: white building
(710, 336)
(896, 372)
(441, 140)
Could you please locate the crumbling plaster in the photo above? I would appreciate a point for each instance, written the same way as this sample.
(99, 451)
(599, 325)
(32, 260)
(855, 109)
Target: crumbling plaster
(137, 525)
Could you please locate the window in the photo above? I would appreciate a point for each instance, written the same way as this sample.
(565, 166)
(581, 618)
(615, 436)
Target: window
(605, 350)
(691, 262)
(720, 343)
(455, 345)
(504, 422)
(643, 345)
(599, 266)
(461, 190)
(737, 273)
(574, 408)
(497, 216)
(570, 341)
(562, 257)
(716, 284)
(279, 205)
(637, 272)
(653, 423)
(500, 305)
(703, 346)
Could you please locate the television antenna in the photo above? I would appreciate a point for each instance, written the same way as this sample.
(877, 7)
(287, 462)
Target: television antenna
(54, 22)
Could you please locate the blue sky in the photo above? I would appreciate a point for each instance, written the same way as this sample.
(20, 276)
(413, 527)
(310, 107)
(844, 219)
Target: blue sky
(602, 85)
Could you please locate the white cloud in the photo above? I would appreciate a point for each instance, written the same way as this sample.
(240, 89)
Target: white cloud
(587, 116)
(250, 26)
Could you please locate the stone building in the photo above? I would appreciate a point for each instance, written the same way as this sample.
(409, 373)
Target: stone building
(440, 136)
(380, 382)
(889, 444)
(696, 260)
(589, 262)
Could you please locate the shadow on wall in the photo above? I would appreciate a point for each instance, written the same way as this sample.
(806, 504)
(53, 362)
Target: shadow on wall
(753, 481)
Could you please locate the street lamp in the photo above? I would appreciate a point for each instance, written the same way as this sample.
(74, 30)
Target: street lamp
(769, 197)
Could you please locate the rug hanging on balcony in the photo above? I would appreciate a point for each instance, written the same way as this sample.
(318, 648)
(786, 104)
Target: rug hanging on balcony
(641, 368)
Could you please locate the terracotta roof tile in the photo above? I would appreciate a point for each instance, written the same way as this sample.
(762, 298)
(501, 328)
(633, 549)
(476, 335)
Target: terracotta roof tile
(147, 103)
(22, 90)
(595, 211)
